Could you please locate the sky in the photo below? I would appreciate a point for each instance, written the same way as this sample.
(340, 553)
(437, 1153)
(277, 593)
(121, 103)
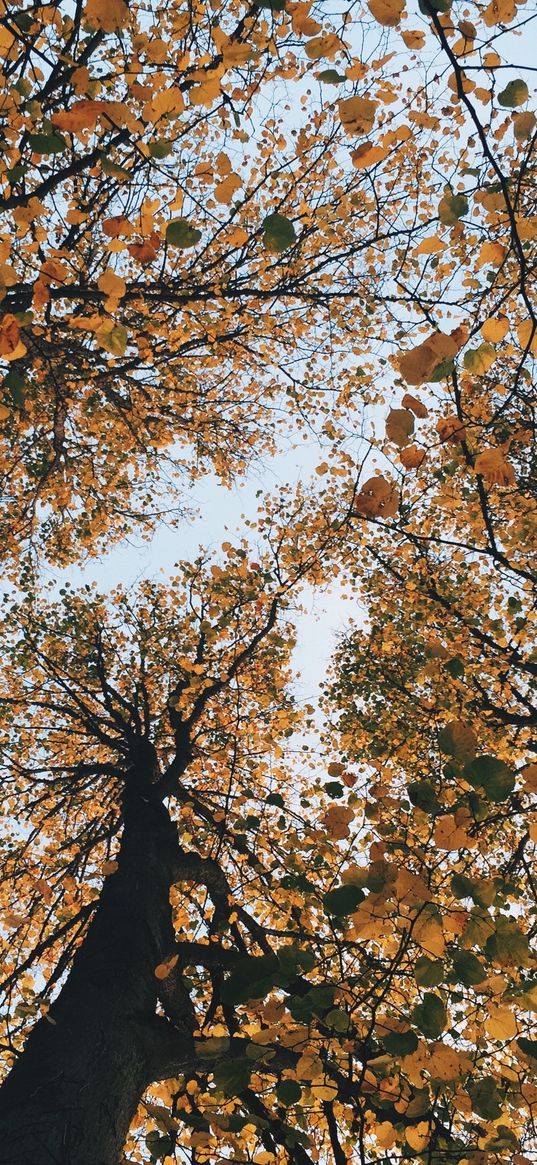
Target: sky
(217, 514)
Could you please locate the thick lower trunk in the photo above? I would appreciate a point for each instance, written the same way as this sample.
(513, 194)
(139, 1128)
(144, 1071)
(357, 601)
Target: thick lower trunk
(71, 1096)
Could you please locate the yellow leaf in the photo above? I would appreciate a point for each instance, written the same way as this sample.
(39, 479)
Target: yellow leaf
(418, 365)
(9, 336)
(399, 426)
(112, 337)
(109, 868)
(428, 933)
(413, 38)
(447, 1063)
(111, 284)
(501, 1023)
(208, 90)
(527, 336)
(367, 155)
(336, 820)
(386, 12)
(492, 253)
(325, 1091)
(524, 125)
(458, 739)
(494, 467)
(494, 330)
(167, 103)
(529, 776)
(448, 835)
(309, 1067)
(357, 114)
(235, 53)
(412, 457)
(108, 15)
(326, 45)
(430, 246)
(385, 1134)
(81, 115)
(451, 430)
(499, 12)
(417, 1136)
(479, 360)
(225, 189)
(467, 29)
(7, 42)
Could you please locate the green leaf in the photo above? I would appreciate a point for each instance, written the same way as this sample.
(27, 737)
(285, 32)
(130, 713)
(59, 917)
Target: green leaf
(23, 20)
(468, 968)
(485, 1098)
(455, 667)
(428, 972)
(17, 172)
(288, 1092)
(442, 370)
(400, 1043)
(529, 1047)
(195, 1120)
(114, 341)
(278, 233)
(293, 959)
(508, 946)
(331, 77)
(515, 93)
(458, 740)
(425, 6)
(275, 799)
(423, 796)
(212, 1046)
(430, 1016)
(343, 900)
(16, 385)
(334, 789)
(478, 806)
(451, 208)
(491, 774)
(337, 1019)
(160, 148)
(180, 233)
(314, 1004)
(462, 887)
(233, 1076)
(159, 1145)
(252, 978)
(113, 169)
(47, 143)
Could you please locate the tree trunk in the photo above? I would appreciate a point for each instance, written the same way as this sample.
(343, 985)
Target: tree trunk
(71, 1096)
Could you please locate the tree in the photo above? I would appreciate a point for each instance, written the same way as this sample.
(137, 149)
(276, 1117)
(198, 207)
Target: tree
(221, 943)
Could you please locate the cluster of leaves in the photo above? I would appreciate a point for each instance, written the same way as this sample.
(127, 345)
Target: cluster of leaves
(192, 263)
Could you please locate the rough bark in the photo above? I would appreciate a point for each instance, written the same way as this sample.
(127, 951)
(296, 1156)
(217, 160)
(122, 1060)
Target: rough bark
(71, 1096)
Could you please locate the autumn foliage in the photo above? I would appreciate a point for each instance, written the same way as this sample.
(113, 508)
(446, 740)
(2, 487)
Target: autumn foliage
(238, 926)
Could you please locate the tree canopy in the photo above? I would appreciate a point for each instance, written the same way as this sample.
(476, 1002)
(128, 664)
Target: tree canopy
(238, 926)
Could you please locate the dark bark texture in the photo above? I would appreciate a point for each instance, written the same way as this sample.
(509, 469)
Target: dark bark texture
(71, 1096)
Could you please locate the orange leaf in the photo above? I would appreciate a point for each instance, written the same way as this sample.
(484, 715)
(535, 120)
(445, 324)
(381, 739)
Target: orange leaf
(357, 114)
(165, 969)
(108, 15)
(494, 467)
